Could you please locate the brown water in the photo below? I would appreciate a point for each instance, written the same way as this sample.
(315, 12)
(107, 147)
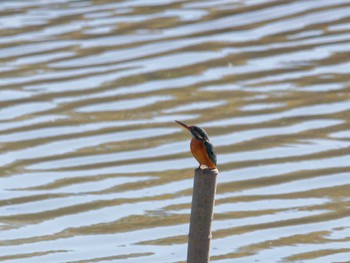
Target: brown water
(94, 168)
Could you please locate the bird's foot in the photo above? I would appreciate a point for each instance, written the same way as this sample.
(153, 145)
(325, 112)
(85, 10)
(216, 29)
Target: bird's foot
(203, 167)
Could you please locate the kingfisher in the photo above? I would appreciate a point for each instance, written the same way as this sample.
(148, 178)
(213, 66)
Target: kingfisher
(201, 148)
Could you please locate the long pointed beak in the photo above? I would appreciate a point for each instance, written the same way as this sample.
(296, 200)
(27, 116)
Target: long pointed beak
(183, 125)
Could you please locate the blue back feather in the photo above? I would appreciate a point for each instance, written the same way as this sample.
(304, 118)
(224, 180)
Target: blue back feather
(211, 152)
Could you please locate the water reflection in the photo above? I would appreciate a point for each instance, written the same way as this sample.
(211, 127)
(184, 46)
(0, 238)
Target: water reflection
(94, 169)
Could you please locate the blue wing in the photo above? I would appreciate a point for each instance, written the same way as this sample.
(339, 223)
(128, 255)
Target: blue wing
(210, 151)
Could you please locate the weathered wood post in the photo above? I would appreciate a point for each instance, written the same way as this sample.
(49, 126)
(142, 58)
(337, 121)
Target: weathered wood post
(203, 200)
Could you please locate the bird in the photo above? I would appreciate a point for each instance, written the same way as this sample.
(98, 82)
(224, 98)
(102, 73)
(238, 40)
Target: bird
(201, 148)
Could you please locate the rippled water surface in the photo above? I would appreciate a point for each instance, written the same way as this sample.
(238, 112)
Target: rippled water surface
(94, 168)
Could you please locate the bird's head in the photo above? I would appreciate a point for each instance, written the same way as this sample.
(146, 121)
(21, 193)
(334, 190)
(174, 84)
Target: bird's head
(196, 132)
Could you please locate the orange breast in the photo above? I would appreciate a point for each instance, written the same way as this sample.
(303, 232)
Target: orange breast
(200, 153)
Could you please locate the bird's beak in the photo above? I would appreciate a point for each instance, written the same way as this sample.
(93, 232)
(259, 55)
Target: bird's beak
(183, 125)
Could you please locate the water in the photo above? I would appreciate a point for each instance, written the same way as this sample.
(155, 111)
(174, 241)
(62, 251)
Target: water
(94, 168)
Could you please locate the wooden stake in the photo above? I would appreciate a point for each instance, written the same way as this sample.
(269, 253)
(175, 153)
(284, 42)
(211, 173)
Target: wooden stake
(203, 200)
